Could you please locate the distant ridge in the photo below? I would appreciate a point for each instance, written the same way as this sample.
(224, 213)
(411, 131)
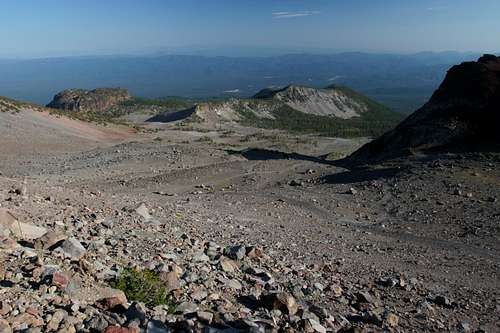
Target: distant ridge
(334, 111)
(81, 100)
(331, 101)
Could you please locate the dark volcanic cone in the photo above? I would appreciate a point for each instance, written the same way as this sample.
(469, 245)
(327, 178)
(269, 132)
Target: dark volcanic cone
(462, 115)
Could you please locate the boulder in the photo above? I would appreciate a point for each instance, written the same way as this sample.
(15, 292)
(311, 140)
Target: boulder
(10, 226)
(280, 301)
(114, 301)
(50, 240)
(143, 211)
(73, 248)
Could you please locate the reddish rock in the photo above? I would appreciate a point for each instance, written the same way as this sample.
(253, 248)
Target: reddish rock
(7, 243)
(116, 329)
(255, 252)
(60, 280)
(281, 301)
(32, 311)
(4, 326)
(5, 308)
(25, 318)
(112, 302)
(171, 280)
(50, 240)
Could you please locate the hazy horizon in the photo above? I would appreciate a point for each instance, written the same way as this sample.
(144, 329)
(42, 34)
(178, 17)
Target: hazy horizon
(57, 28)
(246, 53)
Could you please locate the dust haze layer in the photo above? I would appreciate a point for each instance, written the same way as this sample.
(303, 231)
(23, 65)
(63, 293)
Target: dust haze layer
(403, 82)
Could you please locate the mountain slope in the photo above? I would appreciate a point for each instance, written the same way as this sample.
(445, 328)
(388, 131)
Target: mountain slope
(32, 129)
(332, 111)
(463, 114)
(331, 101)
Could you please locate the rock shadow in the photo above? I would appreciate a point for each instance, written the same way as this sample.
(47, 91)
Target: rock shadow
(267, 154)
(361, 175)
(168, 117)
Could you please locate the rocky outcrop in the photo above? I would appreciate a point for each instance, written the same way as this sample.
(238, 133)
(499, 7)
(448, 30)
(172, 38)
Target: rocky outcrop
(332, 101)
(462, 115)
(233, 110)
(97, 100)
(335, 102)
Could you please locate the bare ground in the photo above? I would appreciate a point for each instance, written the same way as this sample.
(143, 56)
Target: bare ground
(434, 221)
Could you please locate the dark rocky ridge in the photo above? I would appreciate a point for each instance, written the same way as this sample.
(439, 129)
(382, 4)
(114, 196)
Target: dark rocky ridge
(97, 100)
(462, 115)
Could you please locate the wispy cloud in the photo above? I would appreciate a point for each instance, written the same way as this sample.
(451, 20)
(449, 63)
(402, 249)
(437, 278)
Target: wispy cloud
(437, 8)
(233, 91)
(285, 15)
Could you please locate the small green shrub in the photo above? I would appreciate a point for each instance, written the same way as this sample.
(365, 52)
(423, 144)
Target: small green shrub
(144, 286)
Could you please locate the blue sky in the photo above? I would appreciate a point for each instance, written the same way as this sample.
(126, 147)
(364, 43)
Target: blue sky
(33, 28)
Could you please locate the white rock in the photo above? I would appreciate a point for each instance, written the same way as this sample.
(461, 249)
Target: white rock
(143, 211)
(317, 327)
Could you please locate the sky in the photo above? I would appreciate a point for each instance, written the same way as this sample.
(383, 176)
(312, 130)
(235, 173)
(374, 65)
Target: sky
(40, 28)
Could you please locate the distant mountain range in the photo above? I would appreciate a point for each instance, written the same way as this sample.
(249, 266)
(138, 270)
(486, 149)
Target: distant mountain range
(403, 82)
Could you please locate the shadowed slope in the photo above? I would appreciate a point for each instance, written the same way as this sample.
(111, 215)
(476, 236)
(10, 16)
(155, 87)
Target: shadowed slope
(462, 115)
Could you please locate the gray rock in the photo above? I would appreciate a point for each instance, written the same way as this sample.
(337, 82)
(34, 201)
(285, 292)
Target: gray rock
(199, 294)
(443, 301)
(205, 316)
(136, 313)
(186, 307)
(156, 326)
(316, 326)
(230, 283)
(50, 240)
(464, 327)
(200, 257)
(109, 223)
(143, 211)
(237, 252)
(73, 248)
(296, 183)
(97, 324)
(365, 297)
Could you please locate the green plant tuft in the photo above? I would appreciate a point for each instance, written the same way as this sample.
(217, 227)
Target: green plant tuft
(144, 286)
